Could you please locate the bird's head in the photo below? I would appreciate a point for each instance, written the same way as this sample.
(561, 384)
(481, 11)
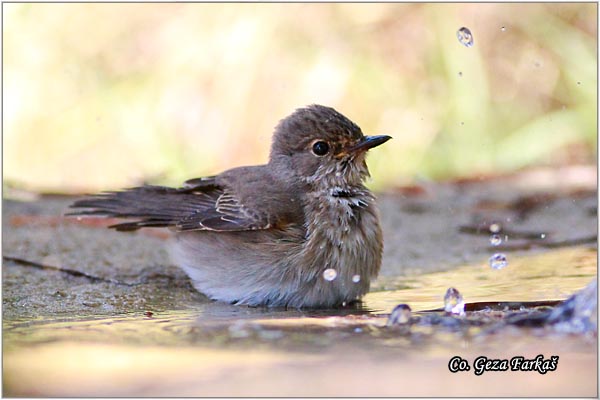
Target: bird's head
(323, 147)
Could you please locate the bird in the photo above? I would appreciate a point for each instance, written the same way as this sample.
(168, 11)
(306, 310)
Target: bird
(302, 231)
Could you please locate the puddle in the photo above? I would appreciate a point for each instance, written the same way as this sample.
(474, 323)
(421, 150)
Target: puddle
(216, 349)
(553, 275)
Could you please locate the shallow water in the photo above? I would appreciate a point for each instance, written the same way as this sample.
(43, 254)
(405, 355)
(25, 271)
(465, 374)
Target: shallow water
(548, 276)
(213, 349)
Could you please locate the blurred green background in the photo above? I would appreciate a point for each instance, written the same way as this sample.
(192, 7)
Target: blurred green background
(102, 96)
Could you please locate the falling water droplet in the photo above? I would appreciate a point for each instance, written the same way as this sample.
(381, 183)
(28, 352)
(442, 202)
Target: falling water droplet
(503, 29)
(453, 302)
(400, 315)
(465, 36)
(329, 274)
(543, 236)
(495, 228)
(460, 74)
(495, 240)
(498, 261)
(356, 278)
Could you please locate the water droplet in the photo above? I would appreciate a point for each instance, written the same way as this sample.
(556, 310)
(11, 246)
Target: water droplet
(498, 261)
(459, 73)
(495, 228)
(503, 29)
(358, 330)
(400, 315)
(329, 274)
(495, 240)
(453, 302)
(356, 278)
(465, 36)
(578, 82)
(543, 236)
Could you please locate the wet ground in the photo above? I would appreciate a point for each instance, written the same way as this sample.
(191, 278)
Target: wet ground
(92, 312)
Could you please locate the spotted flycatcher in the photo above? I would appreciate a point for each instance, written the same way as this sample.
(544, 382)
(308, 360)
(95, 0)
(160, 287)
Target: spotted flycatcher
(300, 231)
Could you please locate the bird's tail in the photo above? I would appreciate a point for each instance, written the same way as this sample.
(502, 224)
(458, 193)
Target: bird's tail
(153, 206)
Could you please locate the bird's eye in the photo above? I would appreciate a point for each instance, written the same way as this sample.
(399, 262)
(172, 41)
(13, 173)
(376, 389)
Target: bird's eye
(320, 148)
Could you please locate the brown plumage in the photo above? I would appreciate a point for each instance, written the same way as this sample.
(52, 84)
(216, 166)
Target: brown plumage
(264, 235)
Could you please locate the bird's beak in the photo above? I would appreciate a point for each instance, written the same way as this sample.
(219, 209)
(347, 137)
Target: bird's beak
(368, 142)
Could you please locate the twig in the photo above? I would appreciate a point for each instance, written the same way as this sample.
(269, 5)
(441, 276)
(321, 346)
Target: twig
(503, 305)
(484, 229)
(570, 242)
(71, 272)
(551, 244)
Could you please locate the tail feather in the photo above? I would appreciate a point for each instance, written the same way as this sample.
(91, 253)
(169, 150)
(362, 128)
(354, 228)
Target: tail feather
(155, 206)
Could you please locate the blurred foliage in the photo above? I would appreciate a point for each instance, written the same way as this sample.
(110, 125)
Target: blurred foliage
(101, 96)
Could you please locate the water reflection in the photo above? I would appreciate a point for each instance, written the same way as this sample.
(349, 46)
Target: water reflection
(547, 276)
(151, 352)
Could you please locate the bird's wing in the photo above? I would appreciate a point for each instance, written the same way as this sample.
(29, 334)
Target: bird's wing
(201, 204)
(226, 212)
